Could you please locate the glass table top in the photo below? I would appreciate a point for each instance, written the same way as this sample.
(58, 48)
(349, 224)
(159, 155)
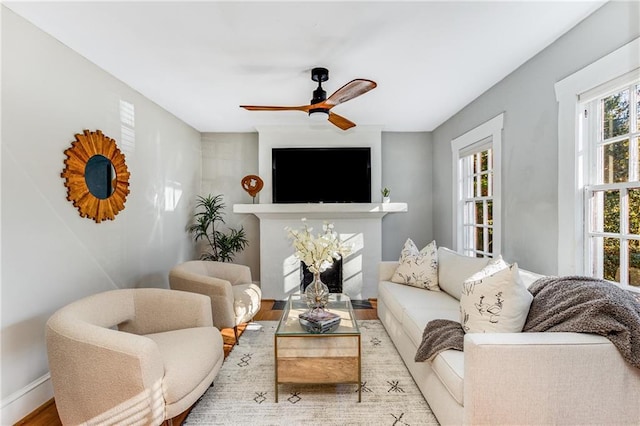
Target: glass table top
(339, 303)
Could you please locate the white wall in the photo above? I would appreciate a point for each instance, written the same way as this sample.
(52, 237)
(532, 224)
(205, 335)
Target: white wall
(50, 255)
(226, 159)
(406, 168)
(530, 137)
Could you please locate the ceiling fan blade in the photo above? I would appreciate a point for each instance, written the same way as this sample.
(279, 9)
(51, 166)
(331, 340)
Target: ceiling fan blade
(340, 121)
(304, 108)
(352, 89)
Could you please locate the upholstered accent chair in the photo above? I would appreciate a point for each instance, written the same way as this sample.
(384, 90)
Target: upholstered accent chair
(234, 298)
(132, 356)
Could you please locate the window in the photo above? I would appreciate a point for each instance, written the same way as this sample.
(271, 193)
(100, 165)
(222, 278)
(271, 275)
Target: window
(476, 166)
(611, 133)
(575, 154)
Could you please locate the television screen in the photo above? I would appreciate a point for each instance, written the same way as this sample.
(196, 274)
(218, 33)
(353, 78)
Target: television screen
(321, 175)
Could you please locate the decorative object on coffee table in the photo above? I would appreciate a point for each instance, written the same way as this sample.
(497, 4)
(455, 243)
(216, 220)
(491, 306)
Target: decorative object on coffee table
(252, 184)
(319, 321)
(318, 253)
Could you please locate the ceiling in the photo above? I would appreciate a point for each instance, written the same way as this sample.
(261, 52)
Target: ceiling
(201, 60)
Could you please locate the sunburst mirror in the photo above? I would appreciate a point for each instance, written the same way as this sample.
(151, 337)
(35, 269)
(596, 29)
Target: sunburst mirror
(96, 176)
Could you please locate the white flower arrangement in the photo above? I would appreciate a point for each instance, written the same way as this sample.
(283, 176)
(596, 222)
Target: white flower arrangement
(317, 252)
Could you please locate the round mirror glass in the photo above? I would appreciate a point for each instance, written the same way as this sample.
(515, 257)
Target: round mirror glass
(99, 174)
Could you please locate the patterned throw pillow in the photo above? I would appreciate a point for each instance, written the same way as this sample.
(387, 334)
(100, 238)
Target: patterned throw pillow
(494, 300)
(493, 266)
(418, 268)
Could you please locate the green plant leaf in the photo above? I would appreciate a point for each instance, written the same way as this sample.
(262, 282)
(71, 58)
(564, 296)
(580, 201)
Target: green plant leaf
(207, 218)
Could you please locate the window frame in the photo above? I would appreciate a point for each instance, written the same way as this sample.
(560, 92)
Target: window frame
(488, 134)
(573, 161)
(595, 185)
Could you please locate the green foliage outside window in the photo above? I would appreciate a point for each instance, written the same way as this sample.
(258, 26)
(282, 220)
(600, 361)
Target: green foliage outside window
(615, 169)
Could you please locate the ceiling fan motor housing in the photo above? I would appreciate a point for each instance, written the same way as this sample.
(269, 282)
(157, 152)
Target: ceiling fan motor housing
(320, 74)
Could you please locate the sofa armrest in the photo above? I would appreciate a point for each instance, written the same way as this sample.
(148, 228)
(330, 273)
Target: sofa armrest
(544, 378)
(386, 268)
(219, 291)
(126, 371)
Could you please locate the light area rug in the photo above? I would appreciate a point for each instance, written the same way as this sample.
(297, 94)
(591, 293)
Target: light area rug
(243, 392)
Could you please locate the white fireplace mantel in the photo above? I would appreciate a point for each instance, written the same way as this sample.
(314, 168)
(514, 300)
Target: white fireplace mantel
(321, 210)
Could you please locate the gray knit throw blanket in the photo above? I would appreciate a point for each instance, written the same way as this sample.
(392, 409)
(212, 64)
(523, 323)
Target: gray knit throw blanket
(575, 304)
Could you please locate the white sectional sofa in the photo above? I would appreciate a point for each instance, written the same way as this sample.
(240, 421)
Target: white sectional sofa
(506, 378)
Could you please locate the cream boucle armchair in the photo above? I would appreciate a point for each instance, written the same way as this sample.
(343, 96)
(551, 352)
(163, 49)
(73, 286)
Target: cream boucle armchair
(132, 356)
(234, 298)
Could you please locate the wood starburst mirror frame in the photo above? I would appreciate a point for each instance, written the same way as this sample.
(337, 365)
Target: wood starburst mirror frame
(87, 147)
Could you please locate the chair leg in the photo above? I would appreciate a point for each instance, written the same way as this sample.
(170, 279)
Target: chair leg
(235, 333)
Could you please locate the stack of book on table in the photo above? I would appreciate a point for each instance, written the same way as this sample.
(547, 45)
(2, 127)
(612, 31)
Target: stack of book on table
(319, 321)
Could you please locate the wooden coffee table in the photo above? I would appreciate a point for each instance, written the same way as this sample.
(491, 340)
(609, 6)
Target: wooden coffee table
(327, 358)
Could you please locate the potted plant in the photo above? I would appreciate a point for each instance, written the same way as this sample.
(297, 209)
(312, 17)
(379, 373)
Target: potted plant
(386, 192)
(222, 246)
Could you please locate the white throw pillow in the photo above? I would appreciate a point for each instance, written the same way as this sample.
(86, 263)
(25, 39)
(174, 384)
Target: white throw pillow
(454, 268)
(490, 268)
(494, 302)
(418, 268)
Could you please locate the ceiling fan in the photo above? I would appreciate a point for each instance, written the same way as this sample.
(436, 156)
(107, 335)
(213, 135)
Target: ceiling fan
(320, 106)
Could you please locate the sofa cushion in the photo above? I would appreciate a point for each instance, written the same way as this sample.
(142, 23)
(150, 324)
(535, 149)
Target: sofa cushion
(183, 373)
(418, 268)
(454, 268)
(449, 367)
(414, 320)
(496, 303)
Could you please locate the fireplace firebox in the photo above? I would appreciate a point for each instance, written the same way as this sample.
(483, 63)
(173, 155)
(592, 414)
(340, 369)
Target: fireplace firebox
(331, 277)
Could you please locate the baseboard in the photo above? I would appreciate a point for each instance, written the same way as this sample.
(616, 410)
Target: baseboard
(24, 401)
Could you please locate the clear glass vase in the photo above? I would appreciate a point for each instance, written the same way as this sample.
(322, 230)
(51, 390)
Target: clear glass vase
(316, 293)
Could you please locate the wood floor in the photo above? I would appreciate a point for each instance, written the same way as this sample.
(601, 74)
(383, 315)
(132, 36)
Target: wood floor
(47, 415)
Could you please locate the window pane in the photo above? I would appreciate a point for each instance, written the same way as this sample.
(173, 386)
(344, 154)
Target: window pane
(476, 186)
(615, 118)
(468, 237)
(479, 238)
(638, 107)
(468, 213)
(611, 211)
(489, 212)
(637, 177)
(484, 161)
(611, 258)
(596, 222)
(479, 217)
(634, 262)
(634, 211)
(615, 166)
(484, 183)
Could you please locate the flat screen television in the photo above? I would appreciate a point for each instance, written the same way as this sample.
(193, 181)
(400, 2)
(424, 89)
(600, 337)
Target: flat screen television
(321, 175)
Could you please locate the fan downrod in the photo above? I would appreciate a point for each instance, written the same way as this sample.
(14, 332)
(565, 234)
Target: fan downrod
(319, 95)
